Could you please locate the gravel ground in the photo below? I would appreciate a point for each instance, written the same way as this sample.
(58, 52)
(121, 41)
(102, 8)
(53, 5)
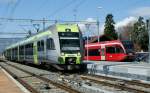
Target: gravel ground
(72, 80)
(41, 86)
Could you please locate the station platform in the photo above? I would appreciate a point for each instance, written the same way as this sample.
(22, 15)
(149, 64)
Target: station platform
(127, 70)
(9, 85)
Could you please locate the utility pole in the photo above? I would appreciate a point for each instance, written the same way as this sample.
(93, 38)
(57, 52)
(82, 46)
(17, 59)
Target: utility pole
(75, 14)
(99, 7)
(98, 31)
(148, 29)
(43, 24)
(87, 41)
(148, 22)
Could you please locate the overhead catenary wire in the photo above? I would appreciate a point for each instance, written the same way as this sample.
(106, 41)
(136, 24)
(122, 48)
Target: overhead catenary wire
(75, 9)
(41, 20)
(79, 4)
(14, 7)
(62, 8)
(6, 33)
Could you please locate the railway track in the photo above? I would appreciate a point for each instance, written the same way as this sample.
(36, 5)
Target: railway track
(24, 77)
(132, 86)
(81, 83)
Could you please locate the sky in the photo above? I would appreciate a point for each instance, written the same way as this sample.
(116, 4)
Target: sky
(68, 10)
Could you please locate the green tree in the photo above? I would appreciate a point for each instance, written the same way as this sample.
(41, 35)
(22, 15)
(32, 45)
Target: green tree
(110, 28)
(140, 34)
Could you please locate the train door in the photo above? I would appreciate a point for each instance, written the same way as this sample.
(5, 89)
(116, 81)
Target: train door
(103, 52)
(120, 54)
(110, 53)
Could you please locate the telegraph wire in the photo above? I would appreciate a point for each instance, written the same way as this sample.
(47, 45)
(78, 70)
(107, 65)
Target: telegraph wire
(14, 7)
(40, 20)
(42, 6)
(6, 33)
(75, 10)
(80, 3)
(62, 8)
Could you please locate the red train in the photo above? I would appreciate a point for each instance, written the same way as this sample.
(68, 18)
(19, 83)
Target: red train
(109, 51)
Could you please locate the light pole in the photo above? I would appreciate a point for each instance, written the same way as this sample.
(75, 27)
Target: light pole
(87, 40)
(148, 29)
(99, 7)
(75, 14)
(148, 23)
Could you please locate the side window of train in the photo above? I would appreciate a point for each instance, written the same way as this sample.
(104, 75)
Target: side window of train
(110, 49)
(40, 45)
(29, 49)
(93, 52)
(50, 44)
(119, 49)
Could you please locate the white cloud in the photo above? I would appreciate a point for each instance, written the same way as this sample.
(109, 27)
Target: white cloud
(91, 29)
(120, 24)
(129, 20)
(90, 20)
(141, 11)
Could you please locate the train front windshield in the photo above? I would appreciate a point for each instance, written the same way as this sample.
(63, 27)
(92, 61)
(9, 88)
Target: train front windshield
(69, 42)
(128, 46)
(70, 45)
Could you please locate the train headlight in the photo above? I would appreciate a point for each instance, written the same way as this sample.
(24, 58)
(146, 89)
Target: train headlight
(62, 54)
(78, 54)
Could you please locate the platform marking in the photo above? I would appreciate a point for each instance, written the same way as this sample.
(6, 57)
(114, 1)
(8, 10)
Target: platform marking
(16, 82)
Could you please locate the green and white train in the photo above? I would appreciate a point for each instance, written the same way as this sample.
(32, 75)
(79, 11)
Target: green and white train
(60, 45)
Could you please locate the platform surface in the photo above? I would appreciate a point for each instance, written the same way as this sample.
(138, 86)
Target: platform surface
(7, 85)
(133, 70)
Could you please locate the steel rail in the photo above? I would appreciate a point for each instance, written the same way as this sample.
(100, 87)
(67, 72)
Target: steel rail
(64, 87)
(131, 82)
(26, 85)
(115, 85)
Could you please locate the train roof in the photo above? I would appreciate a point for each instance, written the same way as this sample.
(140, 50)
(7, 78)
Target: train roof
(30, 39)
(104, 43)
(48, 31)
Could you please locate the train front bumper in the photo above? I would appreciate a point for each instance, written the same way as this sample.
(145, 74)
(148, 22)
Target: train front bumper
(70, 59)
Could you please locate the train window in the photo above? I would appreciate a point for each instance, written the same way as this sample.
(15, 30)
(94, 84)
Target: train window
(50, 44)
(110, 49)
(93, 52)
(114, 49)
(16, 51)
(29, 49)
(68, 34)
(40, 45)
(119, 49)
(21, 50)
